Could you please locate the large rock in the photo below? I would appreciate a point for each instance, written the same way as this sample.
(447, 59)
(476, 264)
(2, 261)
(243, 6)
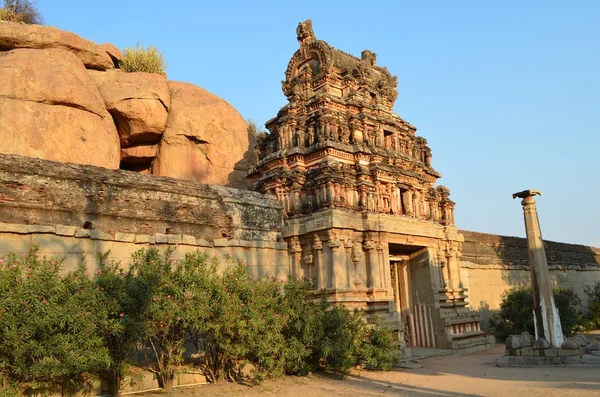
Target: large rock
(139, 103)
(16, 35)
(205, 140)
(113, 52)
(50, 108)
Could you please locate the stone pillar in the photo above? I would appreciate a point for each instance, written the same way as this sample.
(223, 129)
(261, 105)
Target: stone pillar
(318, 258)
(309, 261)
(547, 321)
(336, 260)
(453, 264)
(350, 268)
(384, 265)
(372, 262)
(407, 199)
(295, 250)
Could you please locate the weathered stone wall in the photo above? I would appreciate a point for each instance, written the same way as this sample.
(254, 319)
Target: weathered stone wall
(69, 210)
(492, 264)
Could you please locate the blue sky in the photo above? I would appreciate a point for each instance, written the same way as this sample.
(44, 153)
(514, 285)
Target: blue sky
(506, 92)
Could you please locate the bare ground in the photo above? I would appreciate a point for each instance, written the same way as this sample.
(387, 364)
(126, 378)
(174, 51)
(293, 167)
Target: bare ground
(472, 375)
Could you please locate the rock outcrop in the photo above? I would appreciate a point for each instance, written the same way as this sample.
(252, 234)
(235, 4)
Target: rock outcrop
(50, 108)
(64, 98)
(17, 35)
(204, 139)
(139, 104)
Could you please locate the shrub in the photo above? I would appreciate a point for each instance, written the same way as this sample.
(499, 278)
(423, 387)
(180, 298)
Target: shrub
(378, 346)
(48, 326)
(236, 319)
(25, 11)
(516, 312)
(57, 332)
(154, 283)
(323, 336)
(143, 59)
(120, 332)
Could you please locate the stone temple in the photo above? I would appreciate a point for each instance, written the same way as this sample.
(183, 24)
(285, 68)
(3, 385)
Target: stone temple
(345, 192)
(364, 220)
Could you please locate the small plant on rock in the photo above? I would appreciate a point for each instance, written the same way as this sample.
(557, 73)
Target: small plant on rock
(143, 59)
(25, 11)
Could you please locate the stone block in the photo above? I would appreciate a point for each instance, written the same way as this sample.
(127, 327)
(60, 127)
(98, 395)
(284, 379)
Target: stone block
(160, 238)
(511, 361)
(513, 352)
(569, 344)
(571, 360)
(64, 230)
(142, 239)
(125, 237)
(221, 242)
(41, 229)
(543, 361)
(174, 239)
(526, 339)
(100, 235)
(152, 239)
(52, 244)
(247, 244)
(570, 352)
(552, 352)
(590, 359)
(581, 340)
(513, 342)
(527, 351)
(14, 243)
(188, 240)
(13, 228)
(81, 233)
(203, 243)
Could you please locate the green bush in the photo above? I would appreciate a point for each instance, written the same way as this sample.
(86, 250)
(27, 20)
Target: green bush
(48, 326)
(143, 59)
(155, 284)
(57, 333)
(516, 312)
(323, 336)
(121, 332)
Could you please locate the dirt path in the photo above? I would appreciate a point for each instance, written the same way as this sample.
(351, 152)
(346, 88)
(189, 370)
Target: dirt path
(473, 375)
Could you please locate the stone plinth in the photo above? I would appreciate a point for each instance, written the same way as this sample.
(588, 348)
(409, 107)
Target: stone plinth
(523, 351)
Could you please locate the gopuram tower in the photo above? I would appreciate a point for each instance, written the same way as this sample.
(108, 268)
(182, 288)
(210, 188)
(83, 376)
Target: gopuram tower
(364, 222)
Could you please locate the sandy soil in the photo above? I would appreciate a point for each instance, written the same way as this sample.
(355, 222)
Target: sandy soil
(472, 375)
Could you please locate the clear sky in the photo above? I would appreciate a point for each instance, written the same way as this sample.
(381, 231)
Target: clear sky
(507, 93)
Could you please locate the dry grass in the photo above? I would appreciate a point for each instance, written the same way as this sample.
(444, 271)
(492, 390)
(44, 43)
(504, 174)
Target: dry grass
(143, 59)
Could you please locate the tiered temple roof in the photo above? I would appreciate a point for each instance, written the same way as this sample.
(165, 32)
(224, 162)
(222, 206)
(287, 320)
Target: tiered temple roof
(339, 144)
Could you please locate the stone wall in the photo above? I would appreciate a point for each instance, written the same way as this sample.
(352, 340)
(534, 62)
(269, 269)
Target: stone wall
(69, 210)
(491, 264)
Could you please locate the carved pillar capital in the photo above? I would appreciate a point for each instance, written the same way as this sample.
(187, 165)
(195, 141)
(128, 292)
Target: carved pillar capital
(368, 245)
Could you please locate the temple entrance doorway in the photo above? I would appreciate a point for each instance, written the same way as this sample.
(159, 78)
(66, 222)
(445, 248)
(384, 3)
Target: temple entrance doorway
(411, 284)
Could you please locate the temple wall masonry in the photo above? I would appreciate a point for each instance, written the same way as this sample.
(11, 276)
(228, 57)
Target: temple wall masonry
(491, 264)
(69, 210)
